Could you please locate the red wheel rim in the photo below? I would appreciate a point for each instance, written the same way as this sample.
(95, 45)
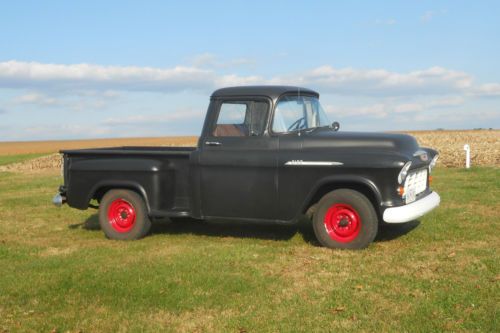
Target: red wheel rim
(121, 215)
(342, 223)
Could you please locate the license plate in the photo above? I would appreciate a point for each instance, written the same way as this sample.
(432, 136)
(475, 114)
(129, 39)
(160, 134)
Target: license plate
(411, 195)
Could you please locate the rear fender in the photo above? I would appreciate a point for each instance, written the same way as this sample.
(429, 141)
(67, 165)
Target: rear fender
(119, 184)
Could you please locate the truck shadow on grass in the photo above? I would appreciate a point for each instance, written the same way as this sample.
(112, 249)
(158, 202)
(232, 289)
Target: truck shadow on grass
(238, 229)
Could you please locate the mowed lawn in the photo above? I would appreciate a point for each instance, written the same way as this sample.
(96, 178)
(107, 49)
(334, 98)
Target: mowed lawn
(59, 273)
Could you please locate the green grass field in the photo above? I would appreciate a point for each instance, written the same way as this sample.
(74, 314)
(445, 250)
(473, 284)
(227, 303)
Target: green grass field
(9, 159)
(59, 273)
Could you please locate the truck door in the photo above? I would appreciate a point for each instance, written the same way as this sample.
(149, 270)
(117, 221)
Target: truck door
(238, 161)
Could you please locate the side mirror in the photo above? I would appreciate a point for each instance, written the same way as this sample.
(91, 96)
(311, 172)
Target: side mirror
(335, 126)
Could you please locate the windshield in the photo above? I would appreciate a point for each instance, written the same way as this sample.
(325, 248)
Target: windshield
(295, 113)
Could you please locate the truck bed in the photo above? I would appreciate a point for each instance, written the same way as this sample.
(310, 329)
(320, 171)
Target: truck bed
(160, 174)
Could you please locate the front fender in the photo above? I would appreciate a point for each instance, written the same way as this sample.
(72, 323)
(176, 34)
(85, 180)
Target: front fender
(330, 183)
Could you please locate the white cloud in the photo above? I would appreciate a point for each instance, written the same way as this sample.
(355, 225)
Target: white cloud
(204, 60)
(408, 108)
(167, 117)
(452, 118)
(428, 15)
(487, 90)
(390, 109)
(106, 94)
(377, 94)
(446, 101)
(431, 14)
(16, 74)
(65, 131)
(378, 110)
(36, 98)
(389, 97)
(82, 79)
(127, 126)
(350, 81)
(74, 101)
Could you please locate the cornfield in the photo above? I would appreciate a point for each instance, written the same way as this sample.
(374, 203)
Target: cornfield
(484, 145)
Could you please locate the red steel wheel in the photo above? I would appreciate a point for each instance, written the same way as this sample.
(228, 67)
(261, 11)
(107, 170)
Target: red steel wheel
(345, 219)
(342, 222)
(121, 215)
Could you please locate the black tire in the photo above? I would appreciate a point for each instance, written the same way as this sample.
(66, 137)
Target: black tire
(123, 215)
(345, 219)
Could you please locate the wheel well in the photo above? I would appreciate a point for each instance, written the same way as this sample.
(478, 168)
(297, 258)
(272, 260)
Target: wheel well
(101, 191)
(326, 188)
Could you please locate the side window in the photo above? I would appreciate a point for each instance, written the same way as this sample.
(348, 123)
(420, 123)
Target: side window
(231, 120)
(241, 118)
(232, 113)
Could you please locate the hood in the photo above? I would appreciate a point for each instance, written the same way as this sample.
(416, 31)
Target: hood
(326, 137)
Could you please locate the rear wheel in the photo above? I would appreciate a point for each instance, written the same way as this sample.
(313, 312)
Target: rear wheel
(123, 215)
(345, 219)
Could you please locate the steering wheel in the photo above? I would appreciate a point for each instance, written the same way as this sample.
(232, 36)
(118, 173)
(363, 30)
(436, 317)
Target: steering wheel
(297, 124)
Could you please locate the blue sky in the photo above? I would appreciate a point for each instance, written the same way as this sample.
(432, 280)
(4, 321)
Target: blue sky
(92, 69)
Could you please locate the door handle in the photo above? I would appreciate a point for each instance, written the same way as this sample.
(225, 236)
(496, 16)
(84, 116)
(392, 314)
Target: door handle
(213, 143)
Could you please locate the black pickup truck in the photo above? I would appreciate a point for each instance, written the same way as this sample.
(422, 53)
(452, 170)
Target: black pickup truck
(268, 154)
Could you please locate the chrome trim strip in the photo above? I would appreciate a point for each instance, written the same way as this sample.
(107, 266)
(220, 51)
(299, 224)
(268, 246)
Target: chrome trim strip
(312, 163)
(213, 143)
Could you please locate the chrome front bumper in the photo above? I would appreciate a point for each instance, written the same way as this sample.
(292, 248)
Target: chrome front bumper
(412, 211)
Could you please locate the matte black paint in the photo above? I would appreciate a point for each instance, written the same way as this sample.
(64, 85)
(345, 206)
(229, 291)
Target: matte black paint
(245, 177)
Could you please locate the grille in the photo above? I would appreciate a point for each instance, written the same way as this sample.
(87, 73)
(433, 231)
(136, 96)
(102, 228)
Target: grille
(416, 181)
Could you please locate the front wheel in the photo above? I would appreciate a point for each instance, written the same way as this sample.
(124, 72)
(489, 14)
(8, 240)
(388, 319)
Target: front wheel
(345, 219)
(123, 215)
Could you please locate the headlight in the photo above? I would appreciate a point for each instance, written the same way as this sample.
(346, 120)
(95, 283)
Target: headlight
(404, 172)
(433, 162)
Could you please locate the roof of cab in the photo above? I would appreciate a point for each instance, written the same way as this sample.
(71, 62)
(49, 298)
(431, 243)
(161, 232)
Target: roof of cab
(272, 92)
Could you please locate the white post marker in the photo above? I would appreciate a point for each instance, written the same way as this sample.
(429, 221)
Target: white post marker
(467, 156)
